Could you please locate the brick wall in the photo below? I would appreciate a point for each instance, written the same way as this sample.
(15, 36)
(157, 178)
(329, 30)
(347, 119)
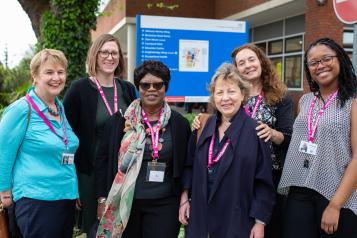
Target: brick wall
(224, 8)
(321, 21)
(112, 15)
(182, 8)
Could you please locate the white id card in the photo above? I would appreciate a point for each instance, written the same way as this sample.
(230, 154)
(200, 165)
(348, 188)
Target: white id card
(155, 172)
(308, 147)
(67, 158)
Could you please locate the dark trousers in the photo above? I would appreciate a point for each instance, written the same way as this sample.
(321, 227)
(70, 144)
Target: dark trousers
(153, 218)
(304, 212)
(274, 228)
(38, 218)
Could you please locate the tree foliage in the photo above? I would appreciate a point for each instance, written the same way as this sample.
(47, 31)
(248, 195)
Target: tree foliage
(66, 26)
(14, 82)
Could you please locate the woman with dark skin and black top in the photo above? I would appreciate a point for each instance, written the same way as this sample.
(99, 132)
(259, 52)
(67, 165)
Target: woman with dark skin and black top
(153, 142)
(89, 102)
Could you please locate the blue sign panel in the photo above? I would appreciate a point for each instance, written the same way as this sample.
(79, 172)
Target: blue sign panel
(192, 48)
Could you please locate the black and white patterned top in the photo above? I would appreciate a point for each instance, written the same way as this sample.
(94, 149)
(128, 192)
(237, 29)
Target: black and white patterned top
(334, 151)
(280, 118)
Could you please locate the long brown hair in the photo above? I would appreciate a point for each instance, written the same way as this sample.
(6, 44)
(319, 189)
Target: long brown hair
(273, 88)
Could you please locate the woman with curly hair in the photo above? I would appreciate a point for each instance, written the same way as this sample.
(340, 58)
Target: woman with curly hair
(272, 108)
(321, 180)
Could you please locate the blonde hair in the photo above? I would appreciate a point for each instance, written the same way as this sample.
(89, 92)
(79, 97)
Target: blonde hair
(229, 72)
(94, 51)
(47, 55)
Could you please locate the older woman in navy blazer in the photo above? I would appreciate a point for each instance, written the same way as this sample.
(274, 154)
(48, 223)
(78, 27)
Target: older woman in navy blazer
(228, 183)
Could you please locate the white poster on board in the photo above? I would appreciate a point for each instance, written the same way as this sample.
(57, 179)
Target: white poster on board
(193, 56)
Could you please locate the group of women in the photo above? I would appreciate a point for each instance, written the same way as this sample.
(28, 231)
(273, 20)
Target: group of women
(141, 172)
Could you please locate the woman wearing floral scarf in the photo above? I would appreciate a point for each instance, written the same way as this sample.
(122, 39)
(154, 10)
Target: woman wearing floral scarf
(144, 198)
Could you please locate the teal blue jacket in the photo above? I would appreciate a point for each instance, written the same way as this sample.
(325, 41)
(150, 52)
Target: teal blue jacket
(31, 157)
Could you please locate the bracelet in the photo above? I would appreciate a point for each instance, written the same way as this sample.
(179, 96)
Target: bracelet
(188, 200)
(102, 200)
(6, 196)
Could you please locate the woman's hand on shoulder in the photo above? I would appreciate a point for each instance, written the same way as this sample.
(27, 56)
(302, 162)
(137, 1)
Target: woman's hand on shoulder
(257, 230)
(196, 124)
(264, 132)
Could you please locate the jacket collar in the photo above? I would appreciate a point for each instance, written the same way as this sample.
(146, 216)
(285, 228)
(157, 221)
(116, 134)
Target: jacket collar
(233, 132)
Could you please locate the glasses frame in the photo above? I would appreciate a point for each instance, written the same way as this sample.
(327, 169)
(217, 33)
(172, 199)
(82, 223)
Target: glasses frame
(157, 86)
(107, 53)
(325, 61)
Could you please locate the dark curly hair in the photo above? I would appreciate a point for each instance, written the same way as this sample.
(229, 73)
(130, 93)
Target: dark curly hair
(273, 88)
(153, 67)
(347, 81)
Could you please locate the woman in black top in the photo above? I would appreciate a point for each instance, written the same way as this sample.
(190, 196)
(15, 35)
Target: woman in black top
(152, 152)
(89, 102)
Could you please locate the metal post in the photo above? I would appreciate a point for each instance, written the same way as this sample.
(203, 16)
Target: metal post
(131, 51)
(354, 54)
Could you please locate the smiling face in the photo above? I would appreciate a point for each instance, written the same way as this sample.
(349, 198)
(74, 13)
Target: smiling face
(50, 79)
(152, 97)
(227, 97)
(248, 65)
(324, 66)
(108, 58)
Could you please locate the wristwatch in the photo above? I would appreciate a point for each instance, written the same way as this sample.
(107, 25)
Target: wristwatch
(102, 200)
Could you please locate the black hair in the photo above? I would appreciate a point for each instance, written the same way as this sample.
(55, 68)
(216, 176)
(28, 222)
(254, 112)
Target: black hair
(154, 67)
(347, 81)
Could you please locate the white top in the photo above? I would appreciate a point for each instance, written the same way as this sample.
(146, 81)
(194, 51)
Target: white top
(334, 151)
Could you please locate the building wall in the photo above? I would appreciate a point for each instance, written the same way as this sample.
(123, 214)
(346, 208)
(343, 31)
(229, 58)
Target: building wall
(182, 8)
(111, 16)
(321, 21)
(118, 9)
(224, 8)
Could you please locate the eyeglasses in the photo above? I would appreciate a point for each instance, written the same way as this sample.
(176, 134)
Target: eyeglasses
(105, 54)
(156, 86)
(326, 61)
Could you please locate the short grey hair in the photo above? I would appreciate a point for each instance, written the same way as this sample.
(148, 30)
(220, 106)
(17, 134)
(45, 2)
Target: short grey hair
(229, 72)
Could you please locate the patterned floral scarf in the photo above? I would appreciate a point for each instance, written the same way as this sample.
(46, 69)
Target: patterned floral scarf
(120, 198)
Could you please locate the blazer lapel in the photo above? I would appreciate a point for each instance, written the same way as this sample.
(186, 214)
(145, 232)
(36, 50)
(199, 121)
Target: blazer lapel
(202, 152)
(233, 133)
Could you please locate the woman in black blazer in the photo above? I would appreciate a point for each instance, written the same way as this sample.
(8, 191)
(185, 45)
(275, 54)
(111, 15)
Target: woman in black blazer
(89, 103)
(228, 174)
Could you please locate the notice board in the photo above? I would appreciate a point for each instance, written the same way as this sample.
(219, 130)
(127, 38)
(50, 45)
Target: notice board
(192, 48)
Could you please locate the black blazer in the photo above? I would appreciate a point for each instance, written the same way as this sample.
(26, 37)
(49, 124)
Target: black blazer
(243, 190)
(106, 165)
(80, 104)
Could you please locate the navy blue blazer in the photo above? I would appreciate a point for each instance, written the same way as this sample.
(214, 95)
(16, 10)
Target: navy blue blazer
(243, 190)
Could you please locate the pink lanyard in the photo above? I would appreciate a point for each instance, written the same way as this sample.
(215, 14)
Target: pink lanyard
(256, 106)
(44, 118)
(154, 132)
(105, 99)
(312, 128)
(211, 161)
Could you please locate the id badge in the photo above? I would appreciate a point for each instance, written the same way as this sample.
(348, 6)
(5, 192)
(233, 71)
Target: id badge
(155, 172)
(308, 147)
(67, 158)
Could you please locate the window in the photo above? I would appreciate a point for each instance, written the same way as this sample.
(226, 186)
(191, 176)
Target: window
(347, 40)
(293, 44)
(285, 48)
(275, 47)
(293, 66)
(278, 66)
